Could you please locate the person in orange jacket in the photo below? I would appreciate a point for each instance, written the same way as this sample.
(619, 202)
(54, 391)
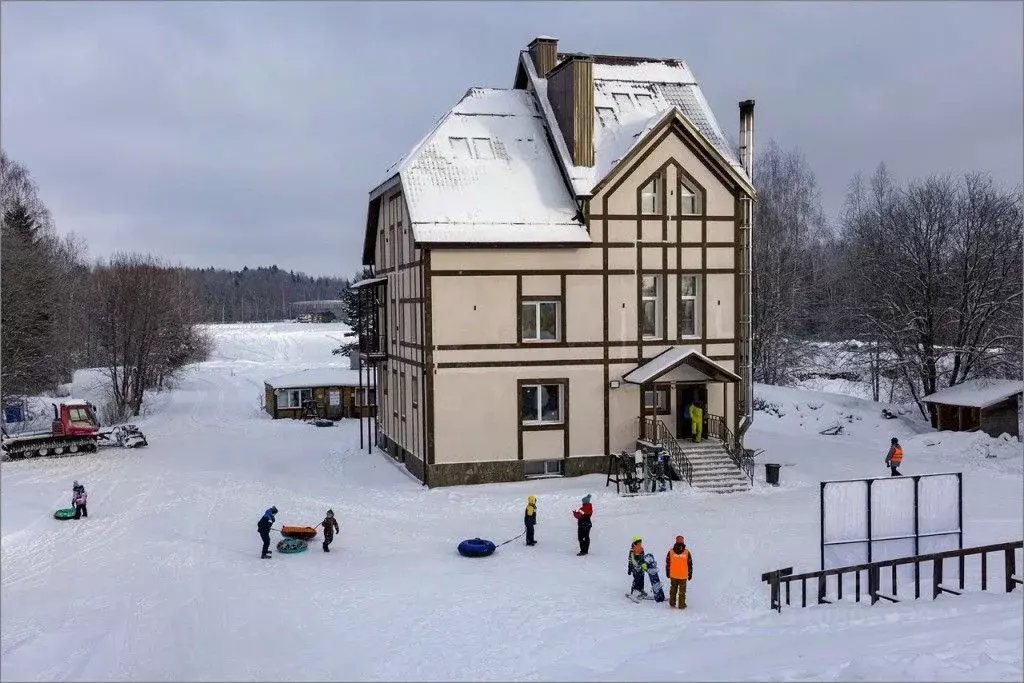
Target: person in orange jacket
(894, 457)
(679, 569)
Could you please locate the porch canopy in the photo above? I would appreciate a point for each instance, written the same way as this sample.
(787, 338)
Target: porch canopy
(368, 282)
(679, 364)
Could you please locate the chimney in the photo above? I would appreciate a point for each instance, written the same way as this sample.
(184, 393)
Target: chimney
(544, 52)
(571, 93)
(747, 137)
(353, 359)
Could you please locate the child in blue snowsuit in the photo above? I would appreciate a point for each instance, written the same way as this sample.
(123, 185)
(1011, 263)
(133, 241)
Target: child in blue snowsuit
(636, 566)
(266, 521)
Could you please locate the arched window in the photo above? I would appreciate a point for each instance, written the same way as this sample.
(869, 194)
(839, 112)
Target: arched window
(690, 199)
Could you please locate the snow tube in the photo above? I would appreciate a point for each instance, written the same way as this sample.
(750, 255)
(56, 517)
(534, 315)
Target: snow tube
(476, 547)
(303, 532)
(66, 513)
(291, 545)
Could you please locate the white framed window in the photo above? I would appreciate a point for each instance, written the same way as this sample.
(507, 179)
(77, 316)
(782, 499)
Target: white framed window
(293, 398)
(689, 199)
(657, 400)
(460, 147)
(651, 292)
(482, 148)
(650, 196)
(623, 101)
(689, 306)
(606, 115)
(542, 468)
(542, 404)
(645, 102)
(541, 320)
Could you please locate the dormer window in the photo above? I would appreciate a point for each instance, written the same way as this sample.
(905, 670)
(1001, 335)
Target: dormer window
(606, 115)
(472, 148)
(689, 199)
(645, 102)
(623, 101)
(460, 147)
(650, 196)
(482, 148)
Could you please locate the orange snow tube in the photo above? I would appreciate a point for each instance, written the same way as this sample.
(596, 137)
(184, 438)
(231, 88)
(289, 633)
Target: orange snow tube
(303, 532)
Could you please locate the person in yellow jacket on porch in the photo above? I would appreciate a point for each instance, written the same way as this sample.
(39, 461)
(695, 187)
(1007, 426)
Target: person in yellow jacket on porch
(679, 569)
(696, 421)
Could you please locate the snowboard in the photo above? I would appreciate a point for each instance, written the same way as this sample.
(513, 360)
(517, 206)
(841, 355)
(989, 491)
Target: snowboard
(652, 574)
(637, 600)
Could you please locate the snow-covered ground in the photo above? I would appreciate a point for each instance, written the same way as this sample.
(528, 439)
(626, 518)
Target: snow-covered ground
(164, 581)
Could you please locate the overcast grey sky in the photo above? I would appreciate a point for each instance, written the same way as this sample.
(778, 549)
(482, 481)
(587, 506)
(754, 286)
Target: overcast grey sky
(234, 134)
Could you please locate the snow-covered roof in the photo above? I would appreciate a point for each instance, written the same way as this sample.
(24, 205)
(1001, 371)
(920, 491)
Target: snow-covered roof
(667, 360)
(71, 401)
(630, 99)
(368, 282)
(486, 174)
(977, 393)
(320, 377)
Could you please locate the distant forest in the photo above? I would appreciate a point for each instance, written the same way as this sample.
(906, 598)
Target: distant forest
(258, 294)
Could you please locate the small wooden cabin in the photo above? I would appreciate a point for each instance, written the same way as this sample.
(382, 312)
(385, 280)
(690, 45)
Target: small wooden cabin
(991, 405)
(335, 392)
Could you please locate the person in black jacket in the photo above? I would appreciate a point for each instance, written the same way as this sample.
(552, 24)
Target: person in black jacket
(266, 521)
(530, 519)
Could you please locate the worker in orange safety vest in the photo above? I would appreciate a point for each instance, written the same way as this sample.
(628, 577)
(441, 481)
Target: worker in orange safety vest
(894, 457)
(679, 569)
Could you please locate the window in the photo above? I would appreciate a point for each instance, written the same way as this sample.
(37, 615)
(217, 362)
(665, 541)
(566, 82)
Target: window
(541, 320)
(650, 306)
(384, 380)
(542, 468)
(460, 147)
(689, 306)
(81, 417)
(689, 199)
(650, 197)
(415, 392)
(542, 403)
(401, 393)
(294, 398)
(657, 401)
(606, 115)
(645, 102)
(623, 101)
(482, 148)
(394, 380)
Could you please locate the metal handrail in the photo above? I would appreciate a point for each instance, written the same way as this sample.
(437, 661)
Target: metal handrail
(715, 426)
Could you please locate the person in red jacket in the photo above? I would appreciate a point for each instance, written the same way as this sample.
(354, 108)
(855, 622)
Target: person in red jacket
(583, 524)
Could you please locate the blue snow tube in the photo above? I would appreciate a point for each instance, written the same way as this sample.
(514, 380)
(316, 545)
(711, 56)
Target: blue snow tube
(476, 547)
(291, 545)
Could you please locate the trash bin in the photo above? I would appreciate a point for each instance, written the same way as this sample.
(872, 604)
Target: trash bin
(771, 473)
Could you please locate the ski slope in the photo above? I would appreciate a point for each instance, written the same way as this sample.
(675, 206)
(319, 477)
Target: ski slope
(163, 581)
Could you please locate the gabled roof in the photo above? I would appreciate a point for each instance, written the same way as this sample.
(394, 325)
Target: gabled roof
(670, 359)
(977, 393)
(668, 83)
(485, 173)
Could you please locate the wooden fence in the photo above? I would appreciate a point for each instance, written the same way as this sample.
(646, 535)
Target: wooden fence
(776, 579)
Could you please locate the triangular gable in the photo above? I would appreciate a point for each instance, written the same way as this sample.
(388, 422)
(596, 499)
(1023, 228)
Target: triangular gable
(665, 362)
(674, 119)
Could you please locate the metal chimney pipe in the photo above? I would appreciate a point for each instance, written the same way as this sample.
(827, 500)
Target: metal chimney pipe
(747, 137)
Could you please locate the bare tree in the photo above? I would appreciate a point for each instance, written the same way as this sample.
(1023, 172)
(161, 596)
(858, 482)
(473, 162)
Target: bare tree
(789, 220)
(936, 270)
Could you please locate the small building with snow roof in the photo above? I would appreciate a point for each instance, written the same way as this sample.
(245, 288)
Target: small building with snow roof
(329, 392)
(560, 269)
(990, 405)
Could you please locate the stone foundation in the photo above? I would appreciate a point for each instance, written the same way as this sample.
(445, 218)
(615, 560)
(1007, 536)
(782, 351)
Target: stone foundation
(585, 464)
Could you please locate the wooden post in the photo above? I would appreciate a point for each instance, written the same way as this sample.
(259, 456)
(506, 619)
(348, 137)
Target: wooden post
(1011, 568)
(984, 571)
(821, 590)
(873, 580)
(936, 577)
(856, 582)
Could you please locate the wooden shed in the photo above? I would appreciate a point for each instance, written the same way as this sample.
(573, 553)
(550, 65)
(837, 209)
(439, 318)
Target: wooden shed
(991, 405)
(334, 393)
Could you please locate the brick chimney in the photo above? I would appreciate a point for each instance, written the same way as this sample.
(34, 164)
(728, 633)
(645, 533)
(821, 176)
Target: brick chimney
(747, 137)
(544, 52)
(571, 93)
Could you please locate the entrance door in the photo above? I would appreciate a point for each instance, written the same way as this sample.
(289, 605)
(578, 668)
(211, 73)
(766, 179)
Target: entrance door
(686, 394)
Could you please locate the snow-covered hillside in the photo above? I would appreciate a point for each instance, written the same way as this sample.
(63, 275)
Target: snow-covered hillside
(163, 581)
